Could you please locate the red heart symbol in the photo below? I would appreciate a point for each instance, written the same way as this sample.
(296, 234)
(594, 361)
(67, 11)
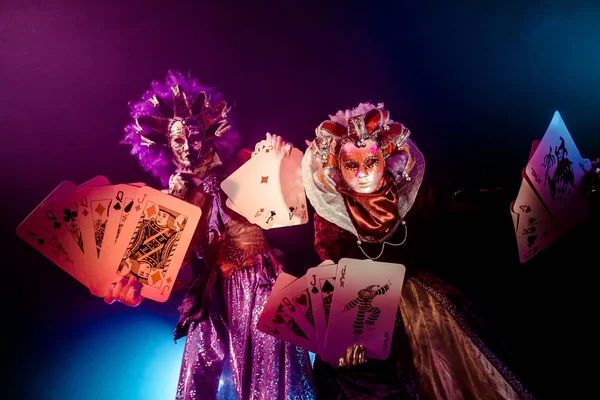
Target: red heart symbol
(278, 319)
(302, 299)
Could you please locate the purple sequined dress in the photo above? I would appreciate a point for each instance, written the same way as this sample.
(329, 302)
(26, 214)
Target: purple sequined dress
(225, 356)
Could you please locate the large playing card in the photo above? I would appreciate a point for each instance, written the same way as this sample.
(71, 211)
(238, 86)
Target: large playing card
(364, 309)
(535, 229)
(268, 189)
(39, 229)
(276, 322)
(58, 220)
(73, 212)
(555, 171)
(153, 242)
(321, 285)
(101, 207)
(297, 304)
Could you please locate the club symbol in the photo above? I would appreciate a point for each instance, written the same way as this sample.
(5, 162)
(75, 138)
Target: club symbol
(69, 215)
(273, 213)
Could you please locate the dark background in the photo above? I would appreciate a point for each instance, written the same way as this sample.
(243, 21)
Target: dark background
(476, 84)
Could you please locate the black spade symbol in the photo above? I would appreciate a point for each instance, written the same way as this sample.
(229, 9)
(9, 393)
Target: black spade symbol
(315, 290)
(327, 287)
(40, 241)
(531, 240)
(117, 206)
(128, 206)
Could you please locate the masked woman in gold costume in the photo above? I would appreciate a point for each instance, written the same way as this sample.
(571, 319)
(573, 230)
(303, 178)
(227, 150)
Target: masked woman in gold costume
(362, 174)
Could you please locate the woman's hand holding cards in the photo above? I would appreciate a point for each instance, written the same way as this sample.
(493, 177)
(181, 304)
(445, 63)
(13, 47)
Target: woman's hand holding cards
(355, 355)
(275, 142)
(126, 291)
(279, 144)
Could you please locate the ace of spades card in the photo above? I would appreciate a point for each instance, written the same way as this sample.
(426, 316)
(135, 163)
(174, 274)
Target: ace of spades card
(153, 242)
(364, 308)
(556, 171)
(321, 286)
(276, 322)
(267, 190)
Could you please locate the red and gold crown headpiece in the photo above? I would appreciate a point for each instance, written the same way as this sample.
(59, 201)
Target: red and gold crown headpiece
(374, 125)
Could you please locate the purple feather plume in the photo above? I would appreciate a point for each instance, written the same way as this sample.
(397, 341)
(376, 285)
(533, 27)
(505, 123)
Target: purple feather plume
(158, 159)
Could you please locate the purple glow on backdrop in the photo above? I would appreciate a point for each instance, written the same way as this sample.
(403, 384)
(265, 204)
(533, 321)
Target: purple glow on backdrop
(473, 92)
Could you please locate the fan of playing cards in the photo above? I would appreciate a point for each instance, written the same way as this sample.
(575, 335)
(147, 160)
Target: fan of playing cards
(550, 201)
(335, 306)
(267, 190)
(99, 233)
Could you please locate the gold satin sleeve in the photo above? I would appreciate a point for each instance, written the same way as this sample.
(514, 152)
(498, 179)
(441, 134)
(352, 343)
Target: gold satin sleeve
(448, 364)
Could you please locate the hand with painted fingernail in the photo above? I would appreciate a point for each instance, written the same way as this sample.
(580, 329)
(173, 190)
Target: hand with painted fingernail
(355, 355)
(279, 144)
(126, 291)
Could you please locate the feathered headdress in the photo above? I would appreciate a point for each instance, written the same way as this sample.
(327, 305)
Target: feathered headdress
(179, 99)
(203, 120)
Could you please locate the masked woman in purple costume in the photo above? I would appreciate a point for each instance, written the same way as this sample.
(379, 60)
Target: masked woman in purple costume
(362, 174)
(181, 133)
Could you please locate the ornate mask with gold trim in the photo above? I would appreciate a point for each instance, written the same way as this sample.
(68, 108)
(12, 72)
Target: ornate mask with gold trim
(186, 126)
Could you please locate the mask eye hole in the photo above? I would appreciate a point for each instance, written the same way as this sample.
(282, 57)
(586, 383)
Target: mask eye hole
(350, 164)
(371, 162)
(180, 141)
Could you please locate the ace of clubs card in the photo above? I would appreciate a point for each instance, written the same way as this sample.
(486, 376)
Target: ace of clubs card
(364, 308)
